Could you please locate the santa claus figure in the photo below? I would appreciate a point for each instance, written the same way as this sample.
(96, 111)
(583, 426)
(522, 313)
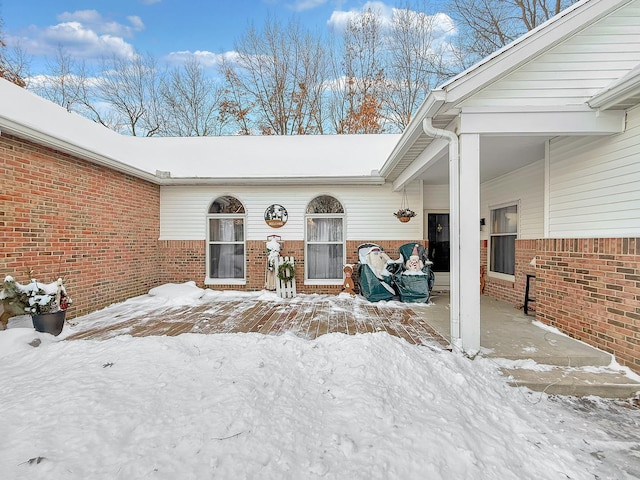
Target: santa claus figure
(377, 260)
(414, 264)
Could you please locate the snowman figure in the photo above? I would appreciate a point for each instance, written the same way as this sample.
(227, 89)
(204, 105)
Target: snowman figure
(414, 264)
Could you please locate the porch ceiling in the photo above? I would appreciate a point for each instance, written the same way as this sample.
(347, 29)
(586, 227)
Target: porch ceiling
(498, 155)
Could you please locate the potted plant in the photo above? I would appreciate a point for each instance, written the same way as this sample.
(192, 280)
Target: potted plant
(405, 214)
(46, 303)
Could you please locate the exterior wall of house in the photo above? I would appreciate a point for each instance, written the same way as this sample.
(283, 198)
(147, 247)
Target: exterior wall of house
(65, 217)
(368, 210)
(594, 187)
(368, 218)
(588, 273)
(185, 261)
(524, 187)
(590, 289)
(576, 69)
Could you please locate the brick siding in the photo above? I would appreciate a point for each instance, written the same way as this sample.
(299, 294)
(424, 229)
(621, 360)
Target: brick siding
(590, 289)
(62, 216)
(185, 260)
(587, 288)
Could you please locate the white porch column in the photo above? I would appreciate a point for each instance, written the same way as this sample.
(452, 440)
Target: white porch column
(468, 268)
(454, 240)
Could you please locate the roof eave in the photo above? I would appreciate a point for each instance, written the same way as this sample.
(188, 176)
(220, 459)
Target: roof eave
(41, 138)
(269, 181)
(429, 109)
(621, 91)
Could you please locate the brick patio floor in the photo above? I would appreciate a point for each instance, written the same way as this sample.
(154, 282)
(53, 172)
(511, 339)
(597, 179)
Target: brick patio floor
(307, 316)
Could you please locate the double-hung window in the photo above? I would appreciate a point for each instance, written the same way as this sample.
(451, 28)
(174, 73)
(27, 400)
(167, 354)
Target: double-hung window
(504, 232)
(324, 239)
(226, 241)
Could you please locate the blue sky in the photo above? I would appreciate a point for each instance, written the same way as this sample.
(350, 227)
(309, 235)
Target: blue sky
(90, 29)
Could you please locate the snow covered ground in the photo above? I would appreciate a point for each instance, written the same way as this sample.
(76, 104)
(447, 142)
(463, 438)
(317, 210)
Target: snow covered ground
(245, 406)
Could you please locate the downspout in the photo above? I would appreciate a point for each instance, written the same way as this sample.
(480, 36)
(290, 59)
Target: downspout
(454, 221)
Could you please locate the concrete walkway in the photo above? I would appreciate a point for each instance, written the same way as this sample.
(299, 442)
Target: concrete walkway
(562, 366)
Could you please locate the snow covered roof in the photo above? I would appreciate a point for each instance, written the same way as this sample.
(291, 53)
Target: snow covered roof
(173, 160)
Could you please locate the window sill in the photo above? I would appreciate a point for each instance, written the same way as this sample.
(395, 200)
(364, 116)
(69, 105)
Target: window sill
(324, 282)
(502, 276)
(225, 281)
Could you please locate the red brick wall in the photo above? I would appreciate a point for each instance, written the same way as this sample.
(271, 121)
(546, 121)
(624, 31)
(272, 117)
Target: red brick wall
(61, 216)
(587, 288)
(512, 292)
(185, 260)
(590, 289)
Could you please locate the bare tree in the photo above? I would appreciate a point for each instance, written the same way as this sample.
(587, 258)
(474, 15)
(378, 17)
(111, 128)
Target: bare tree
(364, 80)
(192, 101)
(63, 83)
(487, 25)
(130, 88)
(276, 81)
(13, 64)
(416, 47)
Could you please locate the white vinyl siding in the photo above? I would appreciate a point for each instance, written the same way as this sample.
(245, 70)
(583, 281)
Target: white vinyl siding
(368, 210)
(525, 187)
(436, 197)
(594, 186)
(575, 70)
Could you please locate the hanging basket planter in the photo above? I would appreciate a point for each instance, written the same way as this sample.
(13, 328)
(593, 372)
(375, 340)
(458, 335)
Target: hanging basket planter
(405, 213)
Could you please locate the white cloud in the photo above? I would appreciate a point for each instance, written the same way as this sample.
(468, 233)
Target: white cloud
(82, 42)
(93, 20)
(136, 22)
(206, 58)
(302, 5)
(441, 24)
(340, 18)
(84, 34)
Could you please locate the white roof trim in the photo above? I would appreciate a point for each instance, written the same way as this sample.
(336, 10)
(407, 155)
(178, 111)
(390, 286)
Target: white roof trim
(36, 136)
(528, 46)
(626, 87)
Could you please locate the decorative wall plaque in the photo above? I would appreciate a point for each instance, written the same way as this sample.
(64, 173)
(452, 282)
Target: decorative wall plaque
(276, 216)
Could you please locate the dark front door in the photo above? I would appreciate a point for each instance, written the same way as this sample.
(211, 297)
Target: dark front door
(438, 236)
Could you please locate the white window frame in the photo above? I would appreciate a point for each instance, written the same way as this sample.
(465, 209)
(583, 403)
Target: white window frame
(343, 242)
(228, 216)
(491, 273)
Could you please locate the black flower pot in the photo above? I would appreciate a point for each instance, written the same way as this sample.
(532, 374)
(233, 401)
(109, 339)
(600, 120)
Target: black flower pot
(49, 322)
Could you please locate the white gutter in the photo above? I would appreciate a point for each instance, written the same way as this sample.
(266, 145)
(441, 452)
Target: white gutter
(28, 133)
(454, 221)
(626, 87)
(254, 181)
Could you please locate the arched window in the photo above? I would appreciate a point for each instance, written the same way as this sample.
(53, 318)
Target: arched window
(324, 239)
(226, 241)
